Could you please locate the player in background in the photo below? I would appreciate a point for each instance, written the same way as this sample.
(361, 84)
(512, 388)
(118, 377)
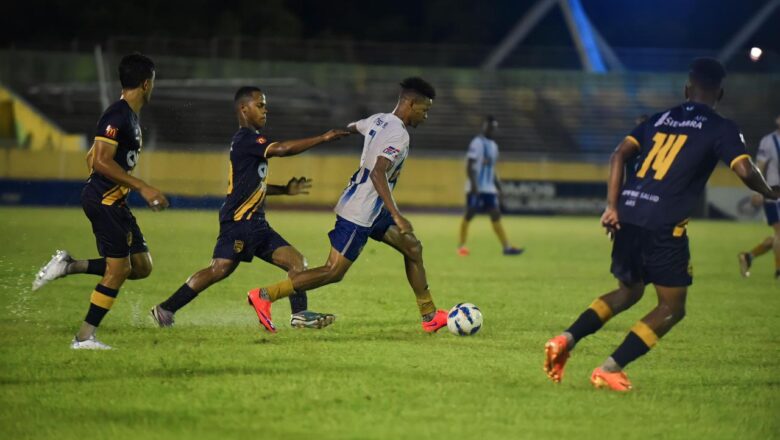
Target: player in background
(768, 161)
(244, 232)
(120, 243)
(367, 209)
(483, 188)
(677, 151)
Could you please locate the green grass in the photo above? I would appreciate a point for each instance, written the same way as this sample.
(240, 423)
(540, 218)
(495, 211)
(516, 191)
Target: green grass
(374, 374)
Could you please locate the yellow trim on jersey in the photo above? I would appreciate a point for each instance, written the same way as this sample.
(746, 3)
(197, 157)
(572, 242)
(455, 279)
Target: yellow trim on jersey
(248, 203)
(740, 157)
(115, 193)
(602, 309)
(106, 140)
(633, 140)
(101, 300)
(265, 152)
(679, 230)
(645, 333)
(257, 205)
(230, 178)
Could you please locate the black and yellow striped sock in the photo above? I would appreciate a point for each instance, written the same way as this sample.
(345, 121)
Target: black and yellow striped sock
(100, 303)
(591, 320)
(639, 341)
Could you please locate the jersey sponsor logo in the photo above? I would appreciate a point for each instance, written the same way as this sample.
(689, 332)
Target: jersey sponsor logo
(132, 158)
(261, 140)
(262, 170)
(667, 120)
(391, 151)
(111, 132)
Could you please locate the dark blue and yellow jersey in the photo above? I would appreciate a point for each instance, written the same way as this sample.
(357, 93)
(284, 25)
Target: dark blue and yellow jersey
(119, 127)
(246, 177)
(678, 150)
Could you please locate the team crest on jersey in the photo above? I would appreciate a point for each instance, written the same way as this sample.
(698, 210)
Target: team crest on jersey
(111, 132)
(391, 151)
(261, 140)
(238, 246)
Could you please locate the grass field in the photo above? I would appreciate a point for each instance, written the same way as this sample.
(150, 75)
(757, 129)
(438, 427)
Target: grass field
(374, 374)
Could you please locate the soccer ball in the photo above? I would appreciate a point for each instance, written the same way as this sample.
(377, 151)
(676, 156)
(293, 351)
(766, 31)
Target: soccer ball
(465, 319)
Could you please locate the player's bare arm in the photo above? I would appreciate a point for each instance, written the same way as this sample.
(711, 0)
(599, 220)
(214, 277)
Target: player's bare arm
(298, 146)
(352, 128)
(103, 163)
(753, 179)
(627, 148)
(379, 179)
(296, 185)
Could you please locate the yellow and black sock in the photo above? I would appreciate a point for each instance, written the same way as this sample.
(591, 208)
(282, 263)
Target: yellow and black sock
(179, 299)
(100, 303)
(591, 320)
(639, 341)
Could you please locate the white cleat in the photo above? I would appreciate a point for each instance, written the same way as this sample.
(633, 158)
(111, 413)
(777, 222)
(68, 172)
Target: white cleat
(55, 268)
(89, 344)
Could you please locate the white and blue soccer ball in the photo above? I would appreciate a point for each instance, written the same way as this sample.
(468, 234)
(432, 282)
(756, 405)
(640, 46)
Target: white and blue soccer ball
(465, 319)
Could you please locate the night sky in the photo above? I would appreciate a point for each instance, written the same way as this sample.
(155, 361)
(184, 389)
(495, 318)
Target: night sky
(623, 23)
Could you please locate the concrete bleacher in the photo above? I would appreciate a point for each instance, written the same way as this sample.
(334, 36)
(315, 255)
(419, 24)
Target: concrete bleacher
(548, 113)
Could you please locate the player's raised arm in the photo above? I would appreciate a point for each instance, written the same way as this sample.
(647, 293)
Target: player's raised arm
(298, 146)
(744, 167)
(102, 161)
(628, 148)
(294, 187)
(379, 179)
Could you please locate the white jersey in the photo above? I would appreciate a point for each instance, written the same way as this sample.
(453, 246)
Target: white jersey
(385, 136)
(769, 153)
(484, 153)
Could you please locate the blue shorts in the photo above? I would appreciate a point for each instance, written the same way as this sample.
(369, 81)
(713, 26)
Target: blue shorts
(242, 240)
(482, 202)
(348, 238)
(772, 211)
(651, 256)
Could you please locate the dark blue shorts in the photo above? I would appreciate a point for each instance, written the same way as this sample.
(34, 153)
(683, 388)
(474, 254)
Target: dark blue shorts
(482, 202)
(348, 238)
(772, 211)
(651, 256)
(243, 240)
(117, 234)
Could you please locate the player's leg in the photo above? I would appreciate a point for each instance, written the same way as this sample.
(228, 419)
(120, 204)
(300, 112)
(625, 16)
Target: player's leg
(746, 258)
(412, 250)
(101, 301)
(332, 271)
(287, 258)
(63, 264)
(642, 337)
(216, 271)
(627, 268)
(494, 210)
(347, 240)
(472, 201)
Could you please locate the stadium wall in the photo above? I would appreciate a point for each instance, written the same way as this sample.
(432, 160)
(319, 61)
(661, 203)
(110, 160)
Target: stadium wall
(200, 179)
(31, 129)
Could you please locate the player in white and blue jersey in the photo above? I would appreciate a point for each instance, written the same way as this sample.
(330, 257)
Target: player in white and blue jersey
(483, 188)
(367, 209)
(768, 161)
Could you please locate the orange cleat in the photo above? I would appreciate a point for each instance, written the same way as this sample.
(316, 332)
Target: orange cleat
(617, 381)
(556, 353)
(439, 320)
(463, 251)
(263, 309)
